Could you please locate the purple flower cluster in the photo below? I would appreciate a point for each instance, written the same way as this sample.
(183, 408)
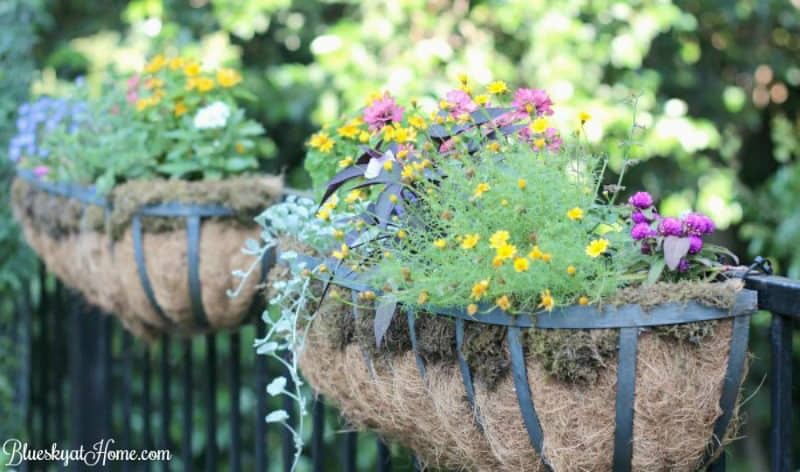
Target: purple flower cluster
(647, 225)
(39, 117)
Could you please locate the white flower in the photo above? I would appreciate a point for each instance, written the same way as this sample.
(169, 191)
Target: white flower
(376, 164)
(210, 116)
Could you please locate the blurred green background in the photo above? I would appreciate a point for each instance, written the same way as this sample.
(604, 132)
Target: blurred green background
(716, 85)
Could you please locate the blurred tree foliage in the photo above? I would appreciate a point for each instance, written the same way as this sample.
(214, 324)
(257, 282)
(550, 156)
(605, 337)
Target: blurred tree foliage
(716, 83)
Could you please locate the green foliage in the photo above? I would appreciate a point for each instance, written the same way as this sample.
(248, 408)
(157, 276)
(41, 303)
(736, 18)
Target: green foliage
(456, 247)
(184, 125)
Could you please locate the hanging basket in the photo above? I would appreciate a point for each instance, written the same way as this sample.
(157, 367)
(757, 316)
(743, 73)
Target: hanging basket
(660, 405)
(161, 264)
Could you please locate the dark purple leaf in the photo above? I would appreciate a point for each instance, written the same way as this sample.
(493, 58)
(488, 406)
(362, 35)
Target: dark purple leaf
(484, 115)
(367, 153)
(340, 179)
(384, 204)
(675, 249)
(384, 312)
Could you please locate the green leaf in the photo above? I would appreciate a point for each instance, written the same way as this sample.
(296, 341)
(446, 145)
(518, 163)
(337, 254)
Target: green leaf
(656, 269)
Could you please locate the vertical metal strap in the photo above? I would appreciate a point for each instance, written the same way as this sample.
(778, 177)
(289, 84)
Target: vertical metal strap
(211, 403)
(166, 398)
(411, 317)
(318, 435)
(466, 375)
(188, 408)
(626, 393)
(141, 267)
(235, 392)
(524, 397)
(193, 254)
(737, 354)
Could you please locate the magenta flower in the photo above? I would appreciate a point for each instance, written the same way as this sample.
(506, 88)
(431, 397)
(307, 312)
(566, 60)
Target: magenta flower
(554, 141)
(697, 224)
(639, 217)
(382, 111)
(670, 227)
(641, 200)
(533, 101)
(695, 244)
(460, 102)
(683, 265)
(641, 231)
(40, 171)
(646, 248)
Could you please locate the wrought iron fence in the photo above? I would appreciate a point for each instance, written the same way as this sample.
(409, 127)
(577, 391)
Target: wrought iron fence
(85, 379)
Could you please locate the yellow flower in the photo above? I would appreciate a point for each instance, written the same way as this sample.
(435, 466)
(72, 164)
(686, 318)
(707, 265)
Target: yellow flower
(463, 78)
(191, 69)
(393, 198)
(342, 252)
(440, 243)
(322, 268)
(444, 104)
(584, 117)
(464, 118)
(155, 64)
(324, 214)
(470, 241)
(546, 257)
(404, 135)
(349, 130)
(321, 141)
(479, 289)
(402, 234)
(497, 261)
(228, 77)
(546, 300)
(481, 99)
(353, 196)
(597, 247)
(499, 238)
(521, 264)
(388, 165)
(521, 183)
(503, 302)
(153, 83)
(584, 300)
(571, 270)
(494, 146)
(176, 63)
(480, 189)
(422, 298)
(575, 214)
(363, 137)
(204, 84)
(180, 109)
(417, 122)
(472, 309)
(539, 125)
(346, 162)
(143, 103)
(539, 143)
(367, 295)
(536, 253)
(338, 234)
(506, 251)
(408, 172)
(240, 148)
(504, 202)
(497, 87)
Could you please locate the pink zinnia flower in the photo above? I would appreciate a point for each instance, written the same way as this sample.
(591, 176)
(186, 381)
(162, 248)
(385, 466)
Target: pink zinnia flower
(40, 171)
(533, 101)
(460, 102)
(554, 141)
(382, 111)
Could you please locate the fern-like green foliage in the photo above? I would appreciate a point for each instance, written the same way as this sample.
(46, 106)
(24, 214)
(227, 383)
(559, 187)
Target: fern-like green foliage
(514, 223)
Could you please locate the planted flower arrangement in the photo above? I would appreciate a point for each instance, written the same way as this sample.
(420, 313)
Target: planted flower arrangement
(139, 196)
(469, 287)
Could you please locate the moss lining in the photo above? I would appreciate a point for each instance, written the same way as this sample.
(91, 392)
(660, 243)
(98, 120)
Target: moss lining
(395, 341)
(58, 216)
(485, 352)
(573, 355)
(436, 338)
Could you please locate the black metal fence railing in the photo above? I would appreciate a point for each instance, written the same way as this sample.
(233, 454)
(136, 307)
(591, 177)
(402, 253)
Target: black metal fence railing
(85, 379)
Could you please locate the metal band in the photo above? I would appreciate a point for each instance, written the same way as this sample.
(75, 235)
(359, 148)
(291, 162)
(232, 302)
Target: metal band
(192, 253)
(733, 380)
(466, 375)
(411, 318)
(524, 397)
(141, 267)
(178, 209)
(82, 194)
(626, 393)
